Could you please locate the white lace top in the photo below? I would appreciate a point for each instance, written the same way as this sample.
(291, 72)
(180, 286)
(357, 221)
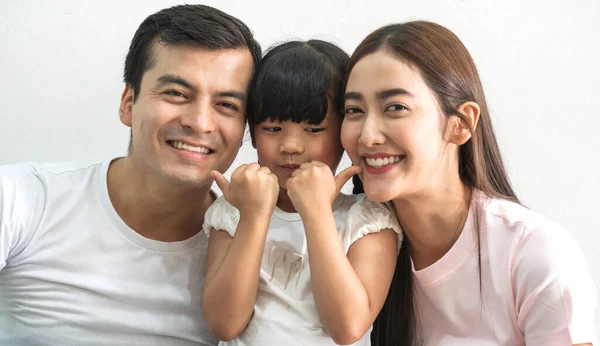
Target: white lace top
(285, 311)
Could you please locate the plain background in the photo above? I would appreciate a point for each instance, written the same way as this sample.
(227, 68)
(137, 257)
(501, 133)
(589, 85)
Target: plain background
(61, 65)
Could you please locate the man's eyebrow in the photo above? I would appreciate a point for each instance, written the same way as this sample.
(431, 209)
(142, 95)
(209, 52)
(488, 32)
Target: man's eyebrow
(171, 79)
(242, 96)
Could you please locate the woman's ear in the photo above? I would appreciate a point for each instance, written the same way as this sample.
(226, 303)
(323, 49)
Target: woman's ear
(462, 128)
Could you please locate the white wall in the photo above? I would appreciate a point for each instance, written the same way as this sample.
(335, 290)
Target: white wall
(61, 64)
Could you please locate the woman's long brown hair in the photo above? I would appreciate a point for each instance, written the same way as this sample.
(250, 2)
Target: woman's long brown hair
(449, 71)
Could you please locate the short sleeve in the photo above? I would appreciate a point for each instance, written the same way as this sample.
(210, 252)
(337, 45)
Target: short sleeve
(367, 216)
(221, 216)
(554, 290)
(22, 201)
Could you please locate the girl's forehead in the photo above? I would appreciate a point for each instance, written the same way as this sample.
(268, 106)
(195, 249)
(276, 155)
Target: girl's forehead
(328, 119)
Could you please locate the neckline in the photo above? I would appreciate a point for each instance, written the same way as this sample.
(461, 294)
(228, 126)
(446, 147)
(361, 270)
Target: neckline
(101, 182)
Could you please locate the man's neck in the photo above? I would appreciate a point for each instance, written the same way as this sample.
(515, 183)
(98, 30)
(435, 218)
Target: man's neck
(153, 207)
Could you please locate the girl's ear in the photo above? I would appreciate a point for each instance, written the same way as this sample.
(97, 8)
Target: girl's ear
(462, 128)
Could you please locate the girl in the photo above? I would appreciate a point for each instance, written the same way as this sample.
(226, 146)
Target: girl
(476, 268)
(291, 260)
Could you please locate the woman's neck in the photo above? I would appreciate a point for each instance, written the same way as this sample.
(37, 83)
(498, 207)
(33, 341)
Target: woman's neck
(433, 220)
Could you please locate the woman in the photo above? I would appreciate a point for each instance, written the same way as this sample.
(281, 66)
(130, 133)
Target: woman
(476, 267)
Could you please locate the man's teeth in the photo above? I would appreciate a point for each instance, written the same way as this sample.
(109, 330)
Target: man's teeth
(380, 162)
(181, 145)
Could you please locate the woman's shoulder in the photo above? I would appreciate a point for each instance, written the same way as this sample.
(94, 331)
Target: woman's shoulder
(551, 281)
(535, 243)
(502, 214)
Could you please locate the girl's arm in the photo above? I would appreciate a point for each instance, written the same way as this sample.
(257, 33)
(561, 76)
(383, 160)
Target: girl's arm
(230, 287)
(350, 290)
(233, 262)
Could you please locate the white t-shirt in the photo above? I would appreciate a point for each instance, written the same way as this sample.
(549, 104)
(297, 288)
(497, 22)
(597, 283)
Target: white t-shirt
(536, 286)
(285, 311)
(73, 273)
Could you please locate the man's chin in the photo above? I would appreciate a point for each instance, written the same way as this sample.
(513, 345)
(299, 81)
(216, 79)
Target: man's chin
(190, 181)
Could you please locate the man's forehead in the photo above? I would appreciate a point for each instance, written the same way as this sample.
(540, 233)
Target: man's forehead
(222, 69)
(225, 59)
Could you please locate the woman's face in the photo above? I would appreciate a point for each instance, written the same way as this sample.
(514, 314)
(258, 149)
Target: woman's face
(393, 128)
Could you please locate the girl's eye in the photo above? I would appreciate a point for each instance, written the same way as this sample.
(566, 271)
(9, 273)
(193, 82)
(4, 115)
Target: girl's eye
(272, 128)
(315, 129)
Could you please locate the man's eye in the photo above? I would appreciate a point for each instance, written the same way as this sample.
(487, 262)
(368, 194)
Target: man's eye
(174, 93)
(229, 105)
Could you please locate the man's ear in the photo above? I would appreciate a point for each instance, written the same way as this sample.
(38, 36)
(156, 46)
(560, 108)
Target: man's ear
(462, 128)
(126, 106)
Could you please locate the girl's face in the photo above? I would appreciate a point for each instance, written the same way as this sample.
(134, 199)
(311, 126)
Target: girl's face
(393, 128)
(284, 146)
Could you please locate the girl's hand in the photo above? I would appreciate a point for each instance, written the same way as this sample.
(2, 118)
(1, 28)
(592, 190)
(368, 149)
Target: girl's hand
(253, 189)
(313, 186)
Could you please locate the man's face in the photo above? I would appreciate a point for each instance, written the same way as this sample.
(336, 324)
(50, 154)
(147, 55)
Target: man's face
(188, 118)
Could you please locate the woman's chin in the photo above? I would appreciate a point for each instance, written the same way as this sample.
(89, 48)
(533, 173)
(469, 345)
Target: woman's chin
(380, 194)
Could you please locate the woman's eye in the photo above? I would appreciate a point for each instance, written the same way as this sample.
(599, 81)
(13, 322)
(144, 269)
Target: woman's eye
(352, 110)
(396, 108)
(353, 113)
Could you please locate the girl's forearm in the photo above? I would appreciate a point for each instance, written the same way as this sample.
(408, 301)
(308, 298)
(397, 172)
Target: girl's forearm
(340, 297)
(230, 295)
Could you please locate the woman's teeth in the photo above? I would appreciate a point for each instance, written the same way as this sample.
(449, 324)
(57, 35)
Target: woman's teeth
(380, 162)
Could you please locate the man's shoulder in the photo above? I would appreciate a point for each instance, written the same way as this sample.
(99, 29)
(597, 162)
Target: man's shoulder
(47, 167)
(20, 176)
(45, 171)
(29, 181)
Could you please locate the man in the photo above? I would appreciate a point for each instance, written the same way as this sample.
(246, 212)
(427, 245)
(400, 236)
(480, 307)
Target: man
(113, 253)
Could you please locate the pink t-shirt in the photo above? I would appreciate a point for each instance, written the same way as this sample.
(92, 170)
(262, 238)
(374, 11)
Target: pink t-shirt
(536, 288)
